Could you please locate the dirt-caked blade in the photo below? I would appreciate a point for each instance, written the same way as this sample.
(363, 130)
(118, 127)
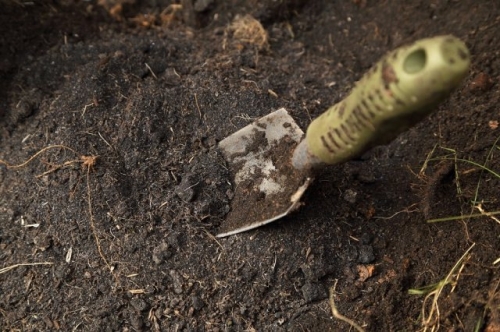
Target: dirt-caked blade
(266, 185)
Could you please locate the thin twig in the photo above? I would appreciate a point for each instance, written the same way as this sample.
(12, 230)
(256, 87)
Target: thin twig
(431, 318)
(151, 71)
(36, 155)
(337, 314)
(94, 230)
(213, 238)
(475, 215)
(406, 210)
(197, 105)
(488, 214)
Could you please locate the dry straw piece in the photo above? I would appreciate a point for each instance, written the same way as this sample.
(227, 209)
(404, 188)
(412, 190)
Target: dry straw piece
(11, 267)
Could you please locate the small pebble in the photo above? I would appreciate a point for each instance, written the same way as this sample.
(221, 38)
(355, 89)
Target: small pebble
(136, 321)
(365, 254)
(350, 196)
(139, 304)
(177, 281)
(481, 82)
(197, 303)
(161, 253)
(313, 292)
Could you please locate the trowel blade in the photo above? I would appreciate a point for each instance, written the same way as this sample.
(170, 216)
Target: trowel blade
(266, 186)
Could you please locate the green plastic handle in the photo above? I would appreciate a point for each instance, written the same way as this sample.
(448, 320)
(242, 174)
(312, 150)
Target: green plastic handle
(400, 90)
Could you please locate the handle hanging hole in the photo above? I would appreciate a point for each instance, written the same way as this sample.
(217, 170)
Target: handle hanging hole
(415, 61)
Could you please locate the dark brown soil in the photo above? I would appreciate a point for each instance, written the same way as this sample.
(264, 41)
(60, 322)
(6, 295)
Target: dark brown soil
(127, 242)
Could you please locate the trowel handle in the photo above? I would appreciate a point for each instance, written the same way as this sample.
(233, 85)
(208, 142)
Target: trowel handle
(400, 90)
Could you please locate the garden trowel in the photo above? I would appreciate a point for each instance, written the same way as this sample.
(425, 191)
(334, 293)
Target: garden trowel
(273, 163)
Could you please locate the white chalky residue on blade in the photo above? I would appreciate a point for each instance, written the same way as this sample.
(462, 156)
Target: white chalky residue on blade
(253, 163)
(269, 186)
(256, 163)
(276, 131)
(273, 125)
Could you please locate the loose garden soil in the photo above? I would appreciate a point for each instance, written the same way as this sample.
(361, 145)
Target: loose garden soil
(110, 227)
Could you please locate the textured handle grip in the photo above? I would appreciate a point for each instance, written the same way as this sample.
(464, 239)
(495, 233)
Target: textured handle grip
(399, 91)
